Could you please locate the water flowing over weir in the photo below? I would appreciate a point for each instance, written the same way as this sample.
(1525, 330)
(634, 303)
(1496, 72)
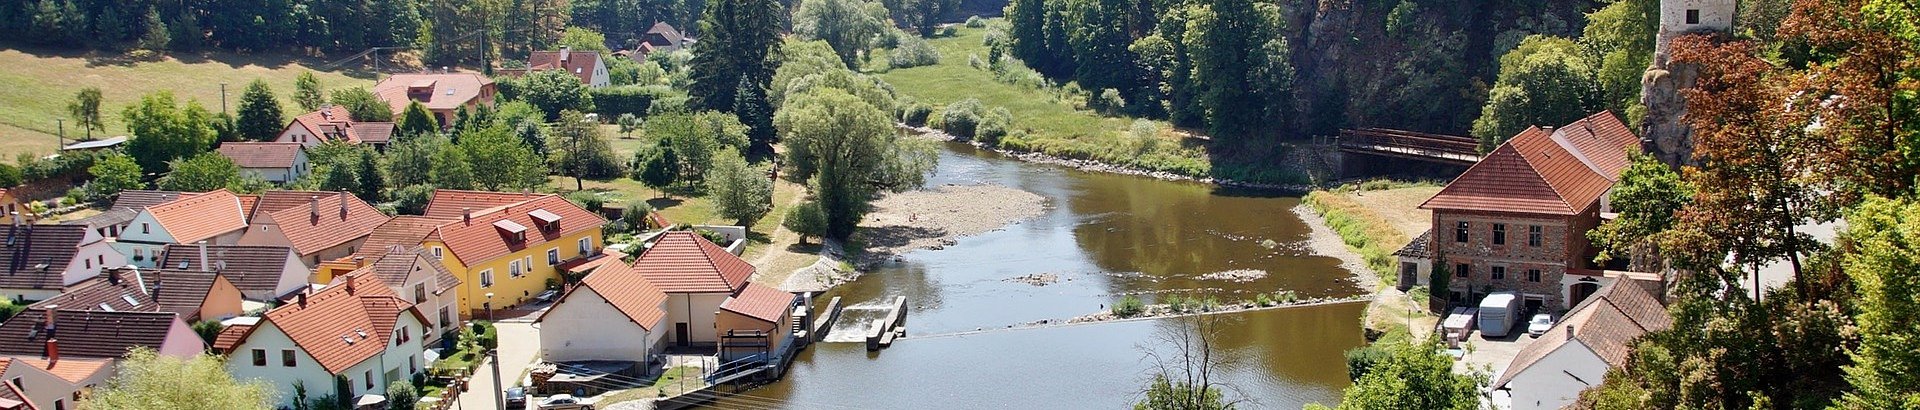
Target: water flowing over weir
(1102, 236)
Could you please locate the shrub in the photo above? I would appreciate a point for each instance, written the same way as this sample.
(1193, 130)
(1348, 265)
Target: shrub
(973, 60)
(1145, 135)
(587, 199)
(1108, 101)
(976, 22)
(806, 219)
(1128, 306)
(949, 31)
(913, 51)
(994, 126)
(962, 117)
(611, 102)
(915, 114)
(1263, 300)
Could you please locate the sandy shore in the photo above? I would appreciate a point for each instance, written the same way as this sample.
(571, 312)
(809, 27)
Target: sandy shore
(1324, 241)
(934, 218)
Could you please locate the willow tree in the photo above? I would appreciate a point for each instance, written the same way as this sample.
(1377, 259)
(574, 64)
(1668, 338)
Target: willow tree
(855, 153)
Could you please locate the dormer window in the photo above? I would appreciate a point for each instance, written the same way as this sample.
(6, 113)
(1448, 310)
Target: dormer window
(513, 231)
(547, 221)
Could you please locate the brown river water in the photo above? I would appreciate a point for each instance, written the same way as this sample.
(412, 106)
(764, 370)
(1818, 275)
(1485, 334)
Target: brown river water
(1102, 236)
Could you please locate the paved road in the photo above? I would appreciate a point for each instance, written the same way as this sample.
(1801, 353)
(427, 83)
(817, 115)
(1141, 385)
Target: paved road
(519, 347)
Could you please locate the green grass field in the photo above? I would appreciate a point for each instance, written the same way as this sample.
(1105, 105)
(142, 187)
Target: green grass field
(39, 86)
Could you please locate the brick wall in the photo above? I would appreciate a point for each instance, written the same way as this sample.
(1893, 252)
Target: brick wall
(1562, 243)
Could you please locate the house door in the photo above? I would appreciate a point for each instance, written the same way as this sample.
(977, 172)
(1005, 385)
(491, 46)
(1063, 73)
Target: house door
(1580, 292)
(1408, 275)
(680, 331)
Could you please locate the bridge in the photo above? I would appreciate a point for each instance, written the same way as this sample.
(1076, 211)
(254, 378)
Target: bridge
(1432, 148)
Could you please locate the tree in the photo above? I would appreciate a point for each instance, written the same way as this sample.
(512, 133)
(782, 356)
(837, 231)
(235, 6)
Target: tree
(451, 170)
(401, 395)
(584, 39)
(807, 220)
(579, 149)
(85, 110)
(1646, 198)
(417, 122)
(306, 92)
(260, 118)
(553, 91)
(848, 26)
(111, 174)
(1242, 82)
(163, 131)
(410, 161)
(362, 105)
(501, 161)
(1544, 81)
(694, 138)
(921, 15)
(753, 109)
(154, 33)
(656, 166)
(1416, 375)
(1185, 360)
(371, 182)
(740, 37)
(740, 192)
(854, 152)
(200, 173)
(1622, 36)
(628, 122)
(11, 175)
(147, 380)
(1885, 264)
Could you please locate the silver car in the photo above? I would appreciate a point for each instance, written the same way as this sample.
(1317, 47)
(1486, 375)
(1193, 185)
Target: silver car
(1540, 324)
(564, 402)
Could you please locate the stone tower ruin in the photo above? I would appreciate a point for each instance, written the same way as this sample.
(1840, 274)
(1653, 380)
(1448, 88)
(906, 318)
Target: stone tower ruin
(1664, 131)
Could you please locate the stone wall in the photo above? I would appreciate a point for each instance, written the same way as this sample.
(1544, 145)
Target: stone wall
(1560, 247)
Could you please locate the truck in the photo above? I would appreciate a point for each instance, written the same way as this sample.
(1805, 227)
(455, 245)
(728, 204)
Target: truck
(1498, 312)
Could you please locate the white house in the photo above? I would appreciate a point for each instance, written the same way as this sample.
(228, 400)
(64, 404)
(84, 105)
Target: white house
(52, 382)
(586, 65)
(697, 276)
(216, 217)
(276, 162)
(334, 123)
(358, 330)
(414, 274)
(43, 260)
(1577, 352)
(614, 314)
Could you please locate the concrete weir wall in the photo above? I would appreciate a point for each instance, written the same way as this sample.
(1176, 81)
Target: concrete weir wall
(889, 327)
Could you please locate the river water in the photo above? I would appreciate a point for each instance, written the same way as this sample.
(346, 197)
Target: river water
(1102, 236)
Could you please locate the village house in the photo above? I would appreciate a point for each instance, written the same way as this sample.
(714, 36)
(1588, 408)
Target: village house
(262, 273)
(334, 123)
(661, 38)
(358, 330)
(126, 205)
(91, 333)
(329, 226)
(506, 248)
(276, 162)
(443, 94)
(1517, 220)
(698, 277)
(416, 275)
(614, 314)
(758, 320)
(44, 260)
(586, 65)
(1577, 352)
(405, 231)
(195, 296)
(11, 209)
(214, 217)
(34, 382)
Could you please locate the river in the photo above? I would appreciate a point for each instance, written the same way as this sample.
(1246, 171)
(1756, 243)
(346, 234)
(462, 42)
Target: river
(1102, 236)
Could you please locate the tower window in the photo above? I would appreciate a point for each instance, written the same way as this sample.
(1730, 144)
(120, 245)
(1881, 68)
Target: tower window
(1693, 16)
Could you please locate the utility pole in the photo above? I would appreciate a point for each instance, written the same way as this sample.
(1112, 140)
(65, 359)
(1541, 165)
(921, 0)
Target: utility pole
(499, 398)
(63, 130)
(223, 97)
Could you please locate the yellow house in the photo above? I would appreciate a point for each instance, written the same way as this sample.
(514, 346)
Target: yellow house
(508, 245)
(9, 206)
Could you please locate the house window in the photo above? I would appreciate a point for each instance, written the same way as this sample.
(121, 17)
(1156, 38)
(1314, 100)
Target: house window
(1693, 16)
(1499, 234)
(58, 404)
(1460, 231)
(1499, 273)
(413, 365)
(419, 293)
(1533, 236)
(553, 256)
(145, 229)
(16, 383)
(1533, 275)
(527, 262)
(586, 246)
(369, 380)
(286, 358)
(444, 314)
(1461, 270)
(486, 278)
(436, 253)
(513, 268)
(89, 263)
(260, 357)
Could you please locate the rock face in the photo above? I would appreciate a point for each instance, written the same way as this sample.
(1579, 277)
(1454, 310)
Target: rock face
(1664, 131)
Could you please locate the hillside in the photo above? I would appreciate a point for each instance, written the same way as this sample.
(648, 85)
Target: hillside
(39, 86)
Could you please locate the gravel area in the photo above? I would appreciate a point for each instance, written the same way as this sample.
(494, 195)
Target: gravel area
(933, 218)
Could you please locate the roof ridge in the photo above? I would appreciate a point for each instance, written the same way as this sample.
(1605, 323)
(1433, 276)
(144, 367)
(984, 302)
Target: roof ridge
(1533, 169)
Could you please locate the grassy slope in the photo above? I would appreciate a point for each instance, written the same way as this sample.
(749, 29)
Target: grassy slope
(38, 87)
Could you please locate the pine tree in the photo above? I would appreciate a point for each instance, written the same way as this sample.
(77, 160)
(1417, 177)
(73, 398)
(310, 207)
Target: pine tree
(260, 116)
(741, 35)
(155, 35)
(417, 122)
(371, 182)
(753, 109)
(306, 92)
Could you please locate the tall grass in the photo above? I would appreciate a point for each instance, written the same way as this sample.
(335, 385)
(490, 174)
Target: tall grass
(1370, 235)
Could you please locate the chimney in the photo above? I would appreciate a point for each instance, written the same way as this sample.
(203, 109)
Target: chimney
(343, 204)
(350, 282)
(204, 266)
(313, 205)
(359, 261)
(53, 352)
(301, 298)
(565, 52)
(53, 312)
(113, 277)
(466, 215)
(1569, 330)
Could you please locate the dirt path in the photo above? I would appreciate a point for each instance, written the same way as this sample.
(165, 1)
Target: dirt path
(781, 255)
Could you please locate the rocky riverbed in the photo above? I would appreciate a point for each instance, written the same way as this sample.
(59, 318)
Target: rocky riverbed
(934, 218)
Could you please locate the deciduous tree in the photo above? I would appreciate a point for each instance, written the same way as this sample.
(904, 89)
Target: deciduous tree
(848, 26)
(163, 130)
(200, 173)
(260, 117)
(1544, 81)
(854, 152)
(362, 105)
(147, 380)
(85, 110)
(741, 192)
(306, 92)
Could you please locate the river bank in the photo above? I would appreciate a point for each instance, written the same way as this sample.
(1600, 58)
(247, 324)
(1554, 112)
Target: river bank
(1367, 224)
(1094, 166)
(932, 218)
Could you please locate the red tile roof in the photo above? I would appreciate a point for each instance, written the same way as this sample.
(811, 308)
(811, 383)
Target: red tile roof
(443, 91)
(71, 369)
(760, 302)
(450, 203)
(683, 262)
(393, 267)
(230, 337)
(403, 230)
(341, 218)
(1562, 172)
(626, 290)
(280, 200)
(578, 63)
(478, 240)
(342, 325)
(196, 218)
(261, 154)
(1607, 323)
(334, 122)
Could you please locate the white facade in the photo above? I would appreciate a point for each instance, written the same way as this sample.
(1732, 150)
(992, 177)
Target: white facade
(299, 133)
(95, 253)
(1558, 378)
(1683, 16)
(144, 238)
(588, 327)
(600, 76)
(697, 311)
(299, 169)
(421, 282)
(400, 361)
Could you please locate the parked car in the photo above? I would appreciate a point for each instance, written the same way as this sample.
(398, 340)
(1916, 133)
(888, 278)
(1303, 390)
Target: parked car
(564, 402)
(516, 397)
(1539, 325)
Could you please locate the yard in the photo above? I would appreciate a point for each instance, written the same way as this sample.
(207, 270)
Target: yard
(39, 85)
(673, 382)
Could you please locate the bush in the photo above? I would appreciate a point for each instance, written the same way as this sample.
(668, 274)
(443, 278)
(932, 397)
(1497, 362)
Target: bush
(973, 60)
(636, 215)
(913, 51)
(915, 114)
(994, 127)
(1129, 306)
(949, 31)
(611, 102)
(976, 22)
(961, 118)
(1108, 101)
(806, 219)
(1145, 135)
(587, 199)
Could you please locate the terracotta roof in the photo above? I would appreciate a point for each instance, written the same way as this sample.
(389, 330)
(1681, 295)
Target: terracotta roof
(230, 337)
(28, 247)
(478, 240)
(196, 218)
(374, 132)
(760, 302)
(594, 262)
(73, 370)
(1561, 172)
(403, 230)
(343, 325)
(626, 290)
(128, 205)
(450, 203)
(341, 218)
(443, 91)
(253, 269)
(578, 63)
(280, 200)
(335, 123)
(261, 154)
(393, 267)
(683, 262)
(1607, 322)
(88, 333)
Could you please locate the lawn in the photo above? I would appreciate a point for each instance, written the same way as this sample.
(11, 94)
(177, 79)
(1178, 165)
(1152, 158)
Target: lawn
(667, 385)
(39, 85)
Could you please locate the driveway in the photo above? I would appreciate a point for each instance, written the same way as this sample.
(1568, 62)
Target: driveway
(519, 347)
